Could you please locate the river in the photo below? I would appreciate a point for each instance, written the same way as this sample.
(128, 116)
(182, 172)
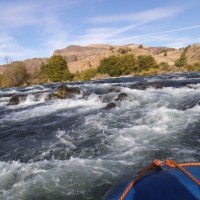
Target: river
(76, 149)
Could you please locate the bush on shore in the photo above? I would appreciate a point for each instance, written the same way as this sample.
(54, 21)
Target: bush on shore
(182, 61)
(118, 65)
(15, 75)
(56, 70)
(126, 64)
(88, 74)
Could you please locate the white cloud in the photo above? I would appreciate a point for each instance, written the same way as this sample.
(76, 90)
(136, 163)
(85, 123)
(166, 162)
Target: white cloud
(167, 31)
(103, 34)
(47, 27)
(10, 47)
(143, 16)
(15, 15)
(163, 36)
(119, 35)
(41, 18)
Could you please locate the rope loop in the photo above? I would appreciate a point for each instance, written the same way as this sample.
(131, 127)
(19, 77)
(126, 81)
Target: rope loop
(157, 164)
(171, 163)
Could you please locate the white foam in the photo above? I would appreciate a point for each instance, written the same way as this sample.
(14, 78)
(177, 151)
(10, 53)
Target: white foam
(65, 139)
(143, 120)
(21, 180)
(93, 101)
(8, 91)
(147, 123)
(31, 99)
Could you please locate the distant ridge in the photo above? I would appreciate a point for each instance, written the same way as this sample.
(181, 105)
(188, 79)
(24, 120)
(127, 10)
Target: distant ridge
(80, 58)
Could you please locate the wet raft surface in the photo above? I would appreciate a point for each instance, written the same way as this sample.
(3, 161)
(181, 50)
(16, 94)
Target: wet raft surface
(79, 147)
(165, 183)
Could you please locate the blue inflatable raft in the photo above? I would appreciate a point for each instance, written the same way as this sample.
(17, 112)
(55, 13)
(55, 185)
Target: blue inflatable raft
(171, 181)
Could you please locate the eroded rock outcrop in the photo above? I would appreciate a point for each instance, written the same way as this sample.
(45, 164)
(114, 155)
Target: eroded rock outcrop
(110, 105)
(64, 92)
(51, 96)
(145, 85)
(114, 90)
(16, 99)
(121, 96)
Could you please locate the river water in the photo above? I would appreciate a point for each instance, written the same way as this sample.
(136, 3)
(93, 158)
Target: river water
(76, 149)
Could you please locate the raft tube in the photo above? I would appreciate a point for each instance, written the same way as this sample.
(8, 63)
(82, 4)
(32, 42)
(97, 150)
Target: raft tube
(163, 184)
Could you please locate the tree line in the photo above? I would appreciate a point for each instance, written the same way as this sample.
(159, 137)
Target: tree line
(56, 70)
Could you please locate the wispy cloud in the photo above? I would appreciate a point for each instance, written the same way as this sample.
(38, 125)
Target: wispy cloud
(36, 28)
(167, 31)
(23, 13)
(42, 23)
(9, 46)
(143, 16)
(118, 36)
(15, 15)
(135, 21)
(103, 34)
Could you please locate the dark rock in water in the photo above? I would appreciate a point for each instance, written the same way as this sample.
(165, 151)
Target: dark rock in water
(110, 105)
(114, 90)
(51, 96)
(64, 92)
(16, 99)
(121, 97)
(190, 103)
(145, 85)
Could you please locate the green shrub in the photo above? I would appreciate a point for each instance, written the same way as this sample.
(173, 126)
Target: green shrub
(129, 64)
(88, 74)
(56, 70)
(140, 46)
(1, 80)
(163, 65)
(145, 62)
(196, 66)
(118, 65)
(124, 50)
(182, 61)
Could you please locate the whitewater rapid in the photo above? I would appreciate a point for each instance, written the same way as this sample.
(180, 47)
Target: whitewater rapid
(76, 149)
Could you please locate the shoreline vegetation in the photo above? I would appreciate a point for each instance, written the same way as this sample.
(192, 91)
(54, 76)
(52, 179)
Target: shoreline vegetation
(123, 64)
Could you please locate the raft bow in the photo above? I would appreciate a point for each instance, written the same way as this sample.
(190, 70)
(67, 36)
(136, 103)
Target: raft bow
(168, 180)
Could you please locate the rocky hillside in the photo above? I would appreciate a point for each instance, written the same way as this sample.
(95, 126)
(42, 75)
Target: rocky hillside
(193, 53)
(35, 63)
(80, 58)
(32, 65)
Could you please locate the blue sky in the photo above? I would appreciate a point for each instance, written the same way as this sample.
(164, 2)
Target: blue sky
(35, 28)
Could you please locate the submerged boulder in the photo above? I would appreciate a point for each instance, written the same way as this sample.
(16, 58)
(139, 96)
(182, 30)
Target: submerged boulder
(110, 105)
(16, 99)
(145, 85)
(189, 103)
(114, 90)
(121, 97)
(64, 92)
(51, 96)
